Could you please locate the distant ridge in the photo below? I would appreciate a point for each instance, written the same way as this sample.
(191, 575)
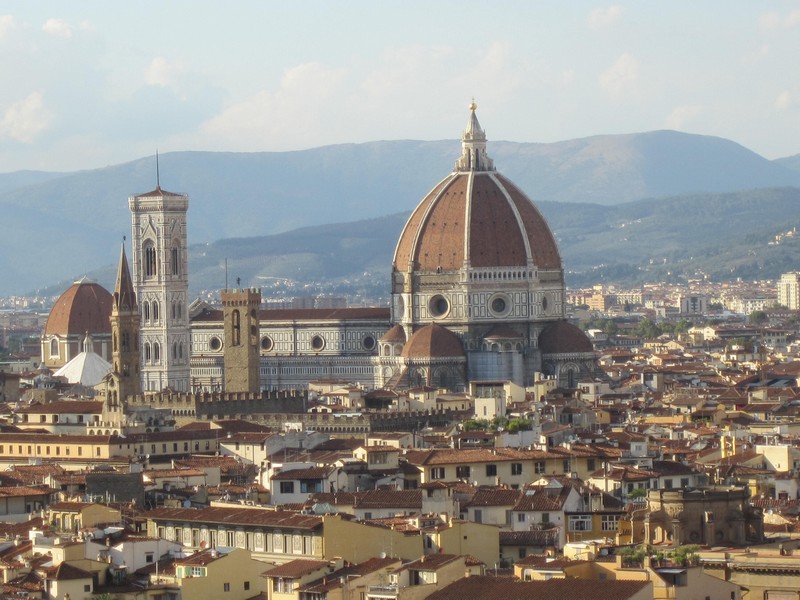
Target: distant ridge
(60, 225)
(721, 236)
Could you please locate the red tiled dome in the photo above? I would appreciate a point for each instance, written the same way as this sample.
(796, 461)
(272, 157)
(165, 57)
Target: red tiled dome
(433, 341)
(475, 216)
(562, 337)
(395, 334)
(488, 211)
(84, 307)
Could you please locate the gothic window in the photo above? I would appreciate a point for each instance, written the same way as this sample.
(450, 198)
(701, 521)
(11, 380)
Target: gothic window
(156, 352)
(126, 341)
(173, 311)
(174, 350)
(146, 310)
(54, 347)
(180, 310)
(175, 259)
(155, 311)
(180, 350)
(147, 351)
(235, 328)
(150, 261)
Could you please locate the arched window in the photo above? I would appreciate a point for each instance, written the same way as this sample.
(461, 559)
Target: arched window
(180, 350)
(147, 351)
(156, 352)
(174, 350)
(146, 310)
(155, 311)
(175, 259)
(150, 260)
(180, 309)
(235, 328)
(173, 311)
(126, 341)
(54, 347)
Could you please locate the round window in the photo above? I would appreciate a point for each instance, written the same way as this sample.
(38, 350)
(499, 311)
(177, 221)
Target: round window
(499, 305)
(438, 306)
(266, 343)
(368, 342)
(215, 343)
(317, 343)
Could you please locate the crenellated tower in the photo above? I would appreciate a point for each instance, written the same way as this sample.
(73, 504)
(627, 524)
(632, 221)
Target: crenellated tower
(241, 346)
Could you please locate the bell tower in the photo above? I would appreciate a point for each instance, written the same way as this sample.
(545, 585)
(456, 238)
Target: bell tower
(161, 281)
(125, 334)
(241, 351)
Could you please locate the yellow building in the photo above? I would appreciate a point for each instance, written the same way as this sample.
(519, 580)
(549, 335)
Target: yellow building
(670, 582)
(766, 572)
(74, 516)
(217, 573)
(356, 541)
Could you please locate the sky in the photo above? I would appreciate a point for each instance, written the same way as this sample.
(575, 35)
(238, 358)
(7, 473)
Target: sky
(93, 83)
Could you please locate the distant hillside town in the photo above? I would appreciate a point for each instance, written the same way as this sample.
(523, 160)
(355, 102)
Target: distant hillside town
(486, 433)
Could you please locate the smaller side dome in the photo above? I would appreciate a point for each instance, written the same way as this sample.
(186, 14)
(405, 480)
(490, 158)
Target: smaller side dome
(562, 337)
(433, 341)
(394, 335)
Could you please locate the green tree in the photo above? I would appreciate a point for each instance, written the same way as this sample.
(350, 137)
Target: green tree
(647, 329)
(475, 425)
(757, 317)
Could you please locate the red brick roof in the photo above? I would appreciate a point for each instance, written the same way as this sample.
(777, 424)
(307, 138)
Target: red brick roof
(433, 341)
(562, 337)
(85, 306)
(296, 568)
(236, 516)
(498, 588)
(475, 213)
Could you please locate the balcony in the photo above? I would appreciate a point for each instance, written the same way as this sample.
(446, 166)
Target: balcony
(381, 592)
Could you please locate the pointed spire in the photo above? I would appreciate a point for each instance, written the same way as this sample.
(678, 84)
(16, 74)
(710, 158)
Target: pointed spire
(124, 296)
(473, 146)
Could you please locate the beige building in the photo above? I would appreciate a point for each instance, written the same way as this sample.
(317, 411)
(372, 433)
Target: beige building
(710, 515)
(216, 573)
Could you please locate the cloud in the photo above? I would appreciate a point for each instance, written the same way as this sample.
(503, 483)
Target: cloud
(161, 72)
(7, 23)
(622, 77)
(601, 18)
(788, 99)
(60, 28)
(681, 115)
(309, 94)
(26, 119)
(773, 20)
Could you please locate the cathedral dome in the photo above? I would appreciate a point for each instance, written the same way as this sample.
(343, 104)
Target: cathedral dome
(84, 307)
(562, 337)
(475, 216)
(433, 341)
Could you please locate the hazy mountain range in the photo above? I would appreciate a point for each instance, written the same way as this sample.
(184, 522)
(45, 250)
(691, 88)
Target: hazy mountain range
(663, 201)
